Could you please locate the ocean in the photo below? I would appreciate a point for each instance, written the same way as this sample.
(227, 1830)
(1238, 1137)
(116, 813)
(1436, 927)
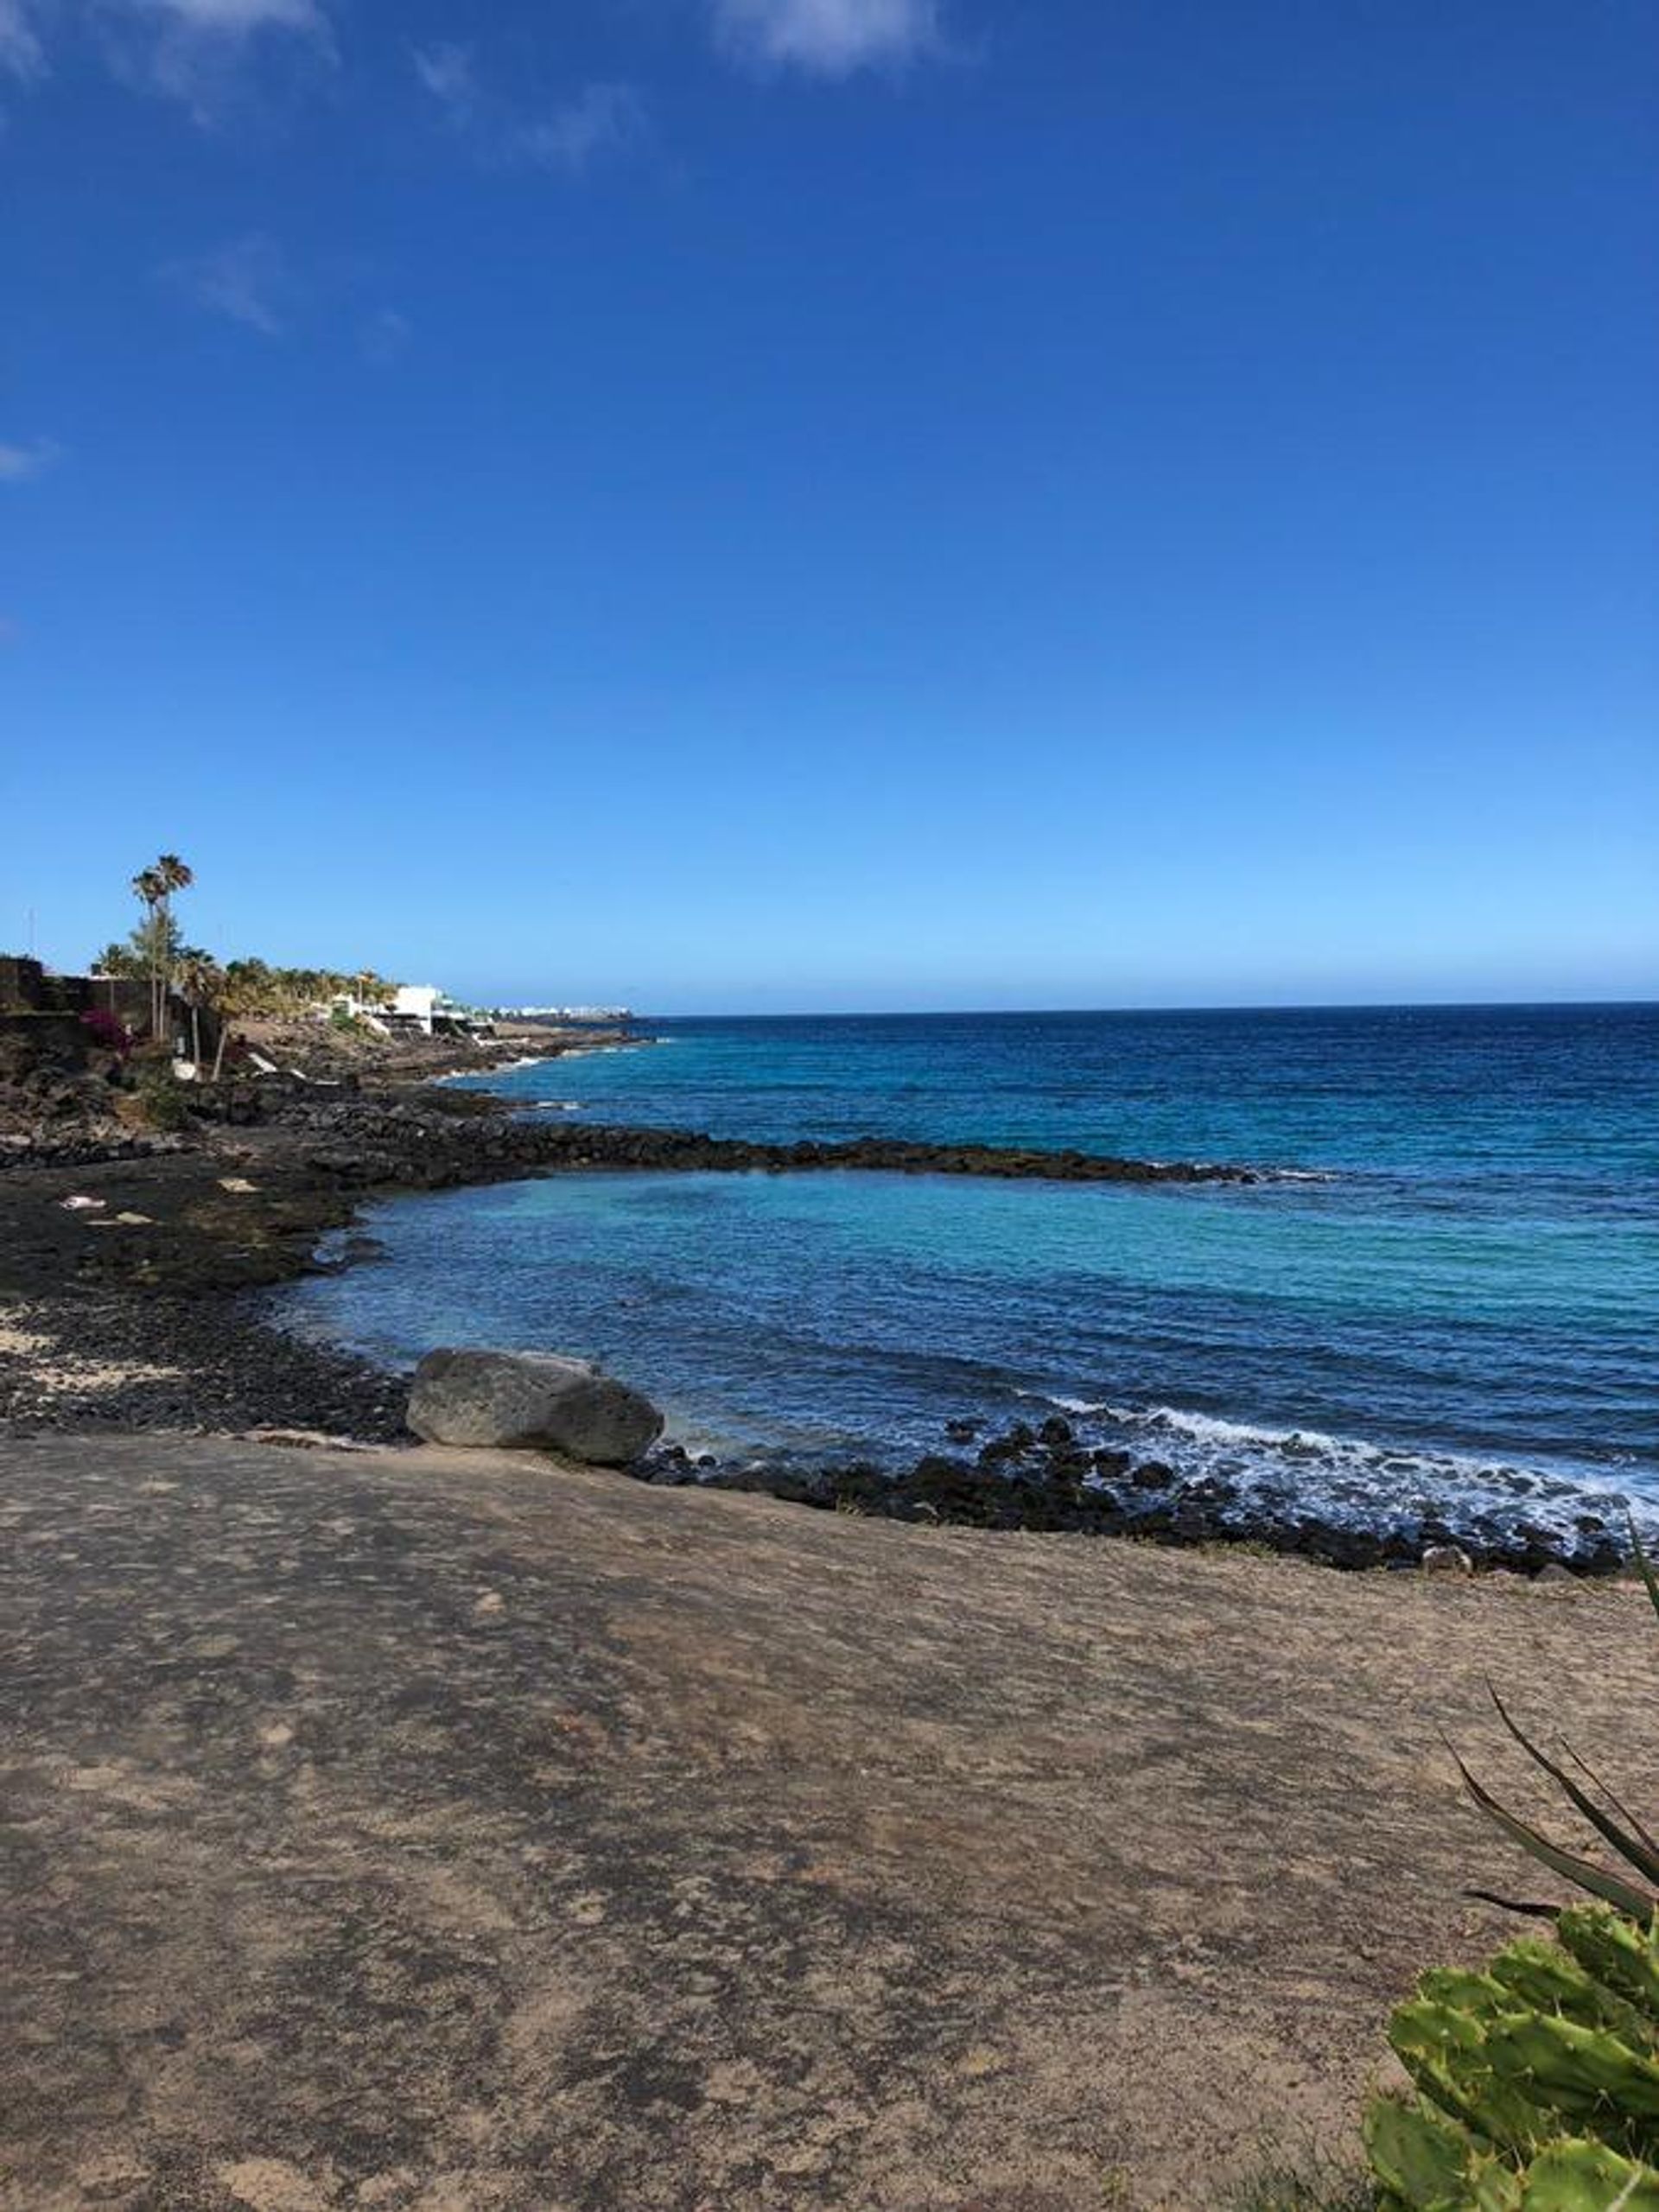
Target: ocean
(1446, 1300)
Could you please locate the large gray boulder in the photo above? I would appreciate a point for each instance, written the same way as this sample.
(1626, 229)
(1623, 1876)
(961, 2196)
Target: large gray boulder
(531, 1400)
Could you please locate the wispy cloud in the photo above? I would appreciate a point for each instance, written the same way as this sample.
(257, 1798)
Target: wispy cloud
(23, 54)
(601, 119)
(829, 38)
(196, 51)
(384, 336)
(249, 281)
(199, 51)
(598, 120)
(447, 73)
(235, 18)
(19, 463)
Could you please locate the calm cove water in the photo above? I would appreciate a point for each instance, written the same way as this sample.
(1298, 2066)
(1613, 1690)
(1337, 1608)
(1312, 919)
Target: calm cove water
(1458, 1308)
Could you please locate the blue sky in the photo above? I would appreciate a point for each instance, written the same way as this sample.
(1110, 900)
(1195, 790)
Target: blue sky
(731, 504)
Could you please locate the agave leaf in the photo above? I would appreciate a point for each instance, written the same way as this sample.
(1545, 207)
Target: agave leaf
(1624, 1811)
(1583, 1873)
(1648, 1575)
(1629, 1848)
(1530, 1911)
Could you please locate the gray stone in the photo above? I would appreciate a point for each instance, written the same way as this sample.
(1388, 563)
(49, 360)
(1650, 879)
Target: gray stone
(1553, 1571)
(1447, 1558)
(530, 1401)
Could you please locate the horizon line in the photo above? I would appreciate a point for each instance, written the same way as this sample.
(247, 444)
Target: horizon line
(1240, 1006)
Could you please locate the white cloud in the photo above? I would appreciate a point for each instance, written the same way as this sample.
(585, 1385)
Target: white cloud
(601, 119)
(197, 51)
(831, 38)
(19, 463)
(447, 72)
(21, 53)
(384, 336)
(249, 281)
(235, 18)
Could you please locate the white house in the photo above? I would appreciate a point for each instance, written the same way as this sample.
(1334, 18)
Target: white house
(423, 1007)
(417, 1004)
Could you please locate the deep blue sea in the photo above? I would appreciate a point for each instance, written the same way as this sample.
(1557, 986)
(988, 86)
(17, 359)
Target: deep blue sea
(1458, 1309)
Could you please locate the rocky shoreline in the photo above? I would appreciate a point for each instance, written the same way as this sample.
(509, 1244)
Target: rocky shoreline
(131, 1256)
(1046, 1479)
(130, 1299)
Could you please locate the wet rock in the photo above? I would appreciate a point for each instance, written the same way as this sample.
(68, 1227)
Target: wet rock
(1012, 1444)
(530, 1401)
(1602, 1558)
(1152, 1474)
(1209, 1490)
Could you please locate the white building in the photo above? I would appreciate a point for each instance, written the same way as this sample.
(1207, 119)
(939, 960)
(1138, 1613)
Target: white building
(423, 1007)
(417, 1004)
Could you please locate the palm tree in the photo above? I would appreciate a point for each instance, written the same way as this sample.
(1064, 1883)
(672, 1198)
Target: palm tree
(147, 886)
(155, 885)
(201, 980)
(173, 876)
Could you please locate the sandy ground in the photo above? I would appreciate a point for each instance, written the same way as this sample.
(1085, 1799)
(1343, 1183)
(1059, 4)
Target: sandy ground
(434, 1832)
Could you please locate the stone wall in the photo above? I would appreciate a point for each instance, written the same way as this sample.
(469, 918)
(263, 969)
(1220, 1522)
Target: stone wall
(48, 1031)
(22, 983)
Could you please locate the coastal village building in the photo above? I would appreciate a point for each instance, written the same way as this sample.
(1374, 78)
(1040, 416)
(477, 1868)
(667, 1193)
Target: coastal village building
(433, 1011)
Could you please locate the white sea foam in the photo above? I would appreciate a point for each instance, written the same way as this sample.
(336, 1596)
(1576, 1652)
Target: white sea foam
(1347, 1478)
(498, 1067)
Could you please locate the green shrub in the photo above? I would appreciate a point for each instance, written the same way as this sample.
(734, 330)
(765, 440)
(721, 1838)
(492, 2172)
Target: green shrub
(160, 1096)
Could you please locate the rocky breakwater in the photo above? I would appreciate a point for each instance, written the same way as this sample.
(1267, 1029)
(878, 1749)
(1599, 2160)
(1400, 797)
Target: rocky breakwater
(435, 1139)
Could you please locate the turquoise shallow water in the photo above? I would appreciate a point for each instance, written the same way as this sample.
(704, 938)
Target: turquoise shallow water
(1459, 1309)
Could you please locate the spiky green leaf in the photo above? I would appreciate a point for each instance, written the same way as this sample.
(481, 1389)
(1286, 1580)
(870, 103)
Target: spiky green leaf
(1629, 1846)
(1583, 1873)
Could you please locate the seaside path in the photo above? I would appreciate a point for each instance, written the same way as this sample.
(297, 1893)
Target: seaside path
(441, 1833)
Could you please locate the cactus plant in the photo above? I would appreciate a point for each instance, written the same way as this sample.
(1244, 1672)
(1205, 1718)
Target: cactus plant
(1537, 2080)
